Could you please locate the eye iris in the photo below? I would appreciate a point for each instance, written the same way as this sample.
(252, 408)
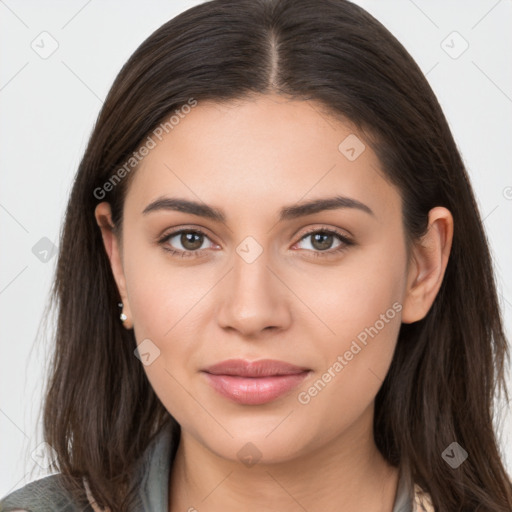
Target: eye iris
(324, 239)
(187, 238)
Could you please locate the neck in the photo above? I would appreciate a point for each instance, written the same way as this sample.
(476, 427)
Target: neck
(346, 474)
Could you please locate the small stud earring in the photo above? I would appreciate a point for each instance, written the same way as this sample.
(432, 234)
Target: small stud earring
(122, 316)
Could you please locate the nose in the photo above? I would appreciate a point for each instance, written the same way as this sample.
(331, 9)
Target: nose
(254, 299)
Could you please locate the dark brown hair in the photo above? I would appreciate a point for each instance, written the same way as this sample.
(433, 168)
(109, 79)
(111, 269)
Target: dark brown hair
(100, 411)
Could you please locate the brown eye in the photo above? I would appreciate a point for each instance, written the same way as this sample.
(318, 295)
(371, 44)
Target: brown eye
(322, 240)
(325, 242)
(184, 241)
(191, 240)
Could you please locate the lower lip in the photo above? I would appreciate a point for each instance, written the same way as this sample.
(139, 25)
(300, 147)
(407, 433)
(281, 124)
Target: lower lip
(254, 390)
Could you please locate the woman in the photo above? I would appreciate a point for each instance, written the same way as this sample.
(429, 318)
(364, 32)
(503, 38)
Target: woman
(274, 287)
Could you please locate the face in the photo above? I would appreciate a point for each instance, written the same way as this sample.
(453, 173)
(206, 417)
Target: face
(322, 289)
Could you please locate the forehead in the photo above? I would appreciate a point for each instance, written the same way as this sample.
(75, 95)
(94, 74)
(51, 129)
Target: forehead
(264, 150)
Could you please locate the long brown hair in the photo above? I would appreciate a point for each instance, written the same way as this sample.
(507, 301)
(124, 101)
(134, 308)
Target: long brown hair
(100, 411)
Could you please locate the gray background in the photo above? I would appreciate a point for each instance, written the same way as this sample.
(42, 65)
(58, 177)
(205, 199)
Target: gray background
(48, 107)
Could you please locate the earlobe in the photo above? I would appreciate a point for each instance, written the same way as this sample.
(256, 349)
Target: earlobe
(428, 265)
(103, 217)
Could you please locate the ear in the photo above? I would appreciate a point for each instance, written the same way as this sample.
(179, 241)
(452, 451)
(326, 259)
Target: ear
(427, 266)
(103, 216)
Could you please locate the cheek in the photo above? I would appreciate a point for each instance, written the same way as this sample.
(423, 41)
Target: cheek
(339, 395)
(361, 304)
(166, 304)
(169, 306)
(163, 296)
(355, 361)
(354, 295)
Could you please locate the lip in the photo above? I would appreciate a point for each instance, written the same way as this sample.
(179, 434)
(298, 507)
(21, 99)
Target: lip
(260, 368)
(256, 382)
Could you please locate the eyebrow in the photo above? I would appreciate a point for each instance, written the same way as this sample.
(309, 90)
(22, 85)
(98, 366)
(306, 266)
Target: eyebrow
(286, 213)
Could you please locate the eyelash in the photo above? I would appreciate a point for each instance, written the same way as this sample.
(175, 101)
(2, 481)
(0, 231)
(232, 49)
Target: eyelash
(345, 242)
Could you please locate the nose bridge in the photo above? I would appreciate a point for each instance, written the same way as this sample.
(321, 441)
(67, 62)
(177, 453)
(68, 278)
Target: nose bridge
(252, 300)
(250, 275)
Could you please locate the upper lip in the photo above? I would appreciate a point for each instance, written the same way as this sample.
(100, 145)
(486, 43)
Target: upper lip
(260, 368)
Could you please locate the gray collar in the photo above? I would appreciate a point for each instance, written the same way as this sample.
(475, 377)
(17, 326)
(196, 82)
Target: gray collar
(154, 470)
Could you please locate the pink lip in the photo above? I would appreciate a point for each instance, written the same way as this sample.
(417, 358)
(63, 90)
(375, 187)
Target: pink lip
(254, 383)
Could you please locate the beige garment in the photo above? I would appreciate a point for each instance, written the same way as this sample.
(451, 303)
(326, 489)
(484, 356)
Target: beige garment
(422, 501)
(92, 501)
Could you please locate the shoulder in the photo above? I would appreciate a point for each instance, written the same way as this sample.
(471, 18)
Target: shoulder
(44, 495)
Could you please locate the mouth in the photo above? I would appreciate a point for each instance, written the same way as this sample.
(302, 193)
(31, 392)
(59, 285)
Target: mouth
(254, 383)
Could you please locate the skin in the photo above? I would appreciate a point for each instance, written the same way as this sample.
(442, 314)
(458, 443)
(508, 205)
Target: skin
(261, 154)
